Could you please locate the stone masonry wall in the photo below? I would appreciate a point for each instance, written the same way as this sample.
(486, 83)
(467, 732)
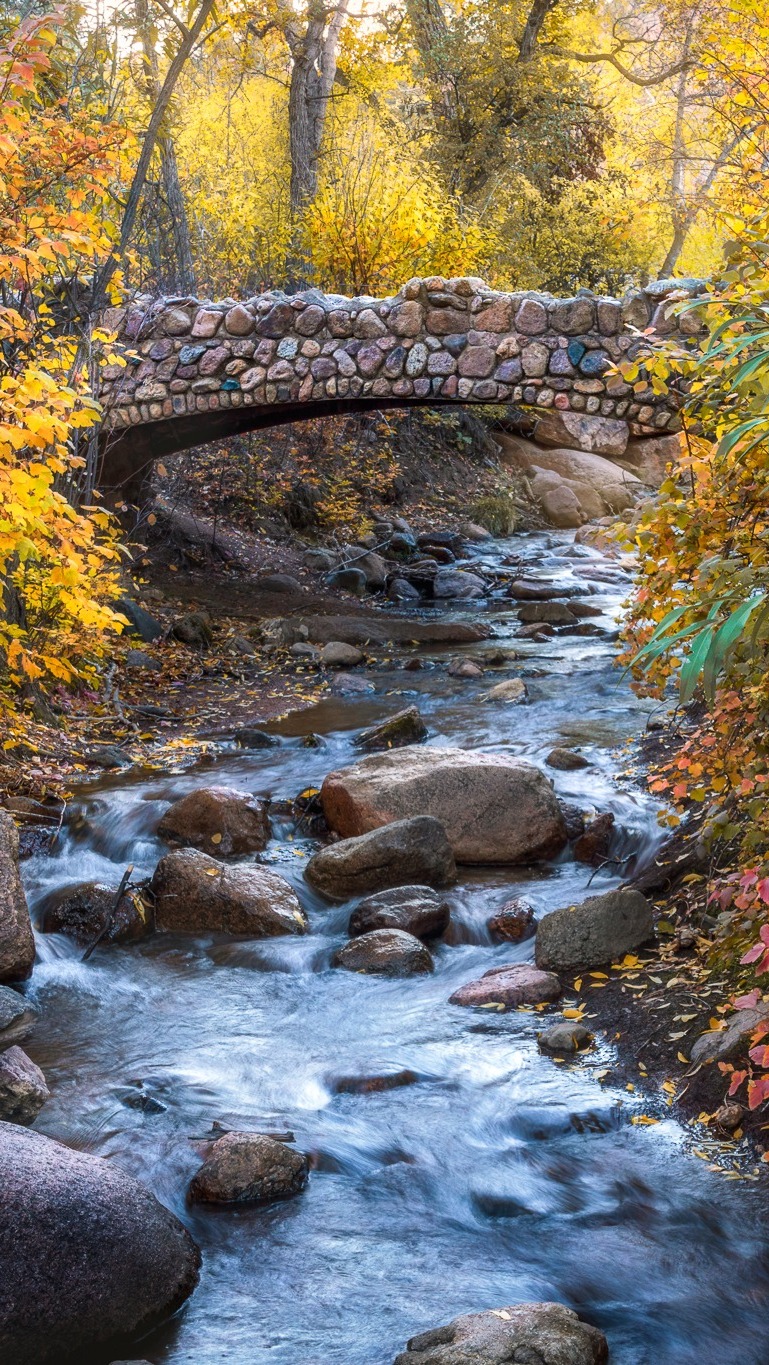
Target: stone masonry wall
(436, 341)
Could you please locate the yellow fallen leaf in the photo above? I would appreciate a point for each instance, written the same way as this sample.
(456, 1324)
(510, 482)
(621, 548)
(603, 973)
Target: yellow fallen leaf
(216, 838)
(669, 1087)
(599, 976)
(578, 984)
(683, 1059)
(573, 1014)
(643, 1119)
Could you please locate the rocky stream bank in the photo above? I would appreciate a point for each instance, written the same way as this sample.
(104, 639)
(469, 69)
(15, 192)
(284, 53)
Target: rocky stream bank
(364, 991)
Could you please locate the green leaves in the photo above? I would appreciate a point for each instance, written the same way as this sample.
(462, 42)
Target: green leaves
(710, 645)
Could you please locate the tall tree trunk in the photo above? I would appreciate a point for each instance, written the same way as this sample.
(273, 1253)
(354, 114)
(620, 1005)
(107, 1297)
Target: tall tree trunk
(182, 278)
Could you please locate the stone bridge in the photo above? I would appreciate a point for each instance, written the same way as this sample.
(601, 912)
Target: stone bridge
(199, 371)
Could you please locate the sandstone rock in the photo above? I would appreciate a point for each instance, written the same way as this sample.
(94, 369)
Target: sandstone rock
(507, 987)
(249, 1168)
(404, 852)
(566, 760)
(405, 727)
(415, 909)
(513, 922)
(472, 531)
(223, 822)
(17, 1017)
(385, 952)
(596, 435)
(195, 894)
(465, 668)
(649, 457)
(599, 485)
(82, 911)
(23, 1090)
(88, 1253)
(336, 654)
(724, 1045)
(458, 583)
(17, 944)
(594, 932)
(529, 1333)
(513, 690)
(372, 1085)
(565, 1037)
(494, 808)
(561, 507)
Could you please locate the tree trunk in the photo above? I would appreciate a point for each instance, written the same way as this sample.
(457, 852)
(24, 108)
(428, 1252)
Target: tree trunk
(181, 278)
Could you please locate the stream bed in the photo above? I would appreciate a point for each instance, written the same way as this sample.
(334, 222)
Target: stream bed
(500, 1176)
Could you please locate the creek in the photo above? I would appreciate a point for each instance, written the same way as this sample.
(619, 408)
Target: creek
(500, 1176)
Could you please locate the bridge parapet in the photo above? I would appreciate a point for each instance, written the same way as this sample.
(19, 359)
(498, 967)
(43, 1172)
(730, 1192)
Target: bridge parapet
(279, 357)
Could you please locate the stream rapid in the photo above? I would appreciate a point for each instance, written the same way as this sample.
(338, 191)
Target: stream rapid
(500, 1176)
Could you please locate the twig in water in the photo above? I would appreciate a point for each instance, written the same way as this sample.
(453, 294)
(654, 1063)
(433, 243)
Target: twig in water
(108, 917)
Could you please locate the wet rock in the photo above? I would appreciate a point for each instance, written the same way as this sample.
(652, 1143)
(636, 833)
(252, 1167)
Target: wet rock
(381, 630)
(574, 820)
(597, 931)
(565, 1038)
(402, 544)
(254, 739)
(415, 909)
(139, 621)
(458, 583)
(82, 911)
(343, 683)
(550, 613)
(348, 580)
(405, 727)
(17, 944)
(336, 654)
(193, 630)
(107, 756)
(195, 894)
(399, 854)
(584, 609)
(529, 1333)
(513, 690)
(305, 652)
(372, 566)
(513, 922)
(566, 760)
(593, 846)
(494, 808)
(446, 540)
(372, 1085)
(725, 1044)
(472, 531)
(400, 590)
(23, 1090)
(223, 822)
(465, 668)
(249, 1168)
(18, 1017)
(517, 984)
(88, 1253)
(385, 952)
(537, 632)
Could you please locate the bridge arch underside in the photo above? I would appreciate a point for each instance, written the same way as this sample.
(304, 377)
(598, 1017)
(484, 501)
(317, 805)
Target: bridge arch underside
(193, 371)
(129, 453)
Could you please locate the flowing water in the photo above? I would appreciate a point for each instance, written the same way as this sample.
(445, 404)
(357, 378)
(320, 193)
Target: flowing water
(500, 1176)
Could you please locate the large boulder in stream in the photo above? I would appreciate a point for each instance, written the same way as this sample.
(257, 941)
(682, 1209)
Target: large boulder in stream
(88, 1253)
(529, 1333)
(219, 820)
(494, 808)
(597, 931)
(17, 1017)
(194, 894)
(403, 852)
(405, 727)
(506, 988)
(17, 944)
